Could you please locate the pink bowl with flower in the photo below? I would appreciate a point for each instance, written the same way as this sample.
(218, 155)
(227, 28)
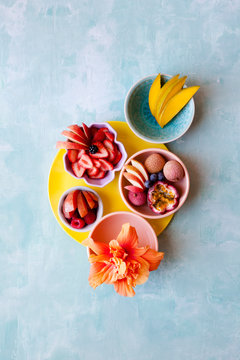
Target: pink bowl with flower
(108, 228)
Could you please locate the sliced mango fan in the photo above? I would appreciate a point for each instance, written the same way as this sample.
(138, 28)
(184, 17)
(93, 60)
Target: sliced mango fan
(121, 262)
(166, 101)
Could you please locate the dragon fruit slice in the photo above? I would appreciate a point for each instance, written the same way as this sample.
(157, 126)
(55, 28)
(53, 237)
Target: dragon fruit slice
(162, 197)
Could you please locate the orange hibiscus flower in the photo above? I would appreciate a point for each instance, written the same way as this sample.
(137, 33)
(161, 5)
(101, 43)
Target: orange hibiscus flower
(121, 262)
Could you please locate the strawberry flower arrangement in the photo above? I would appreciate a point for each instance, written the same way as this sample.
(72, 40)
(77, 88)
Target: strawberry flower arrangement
(91, 151)
(121, 262)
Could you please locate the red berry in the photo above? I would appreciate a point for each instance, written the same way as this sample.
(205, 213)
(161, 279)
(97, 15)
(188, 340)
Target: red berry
(77, 169)
(75, 215)
(77, 223)
(90, 218)
(80, 153)
(105, 165)
(86, 161)
(94, 130)
(117, 158)
(99, 136)
(109, 135)
(109, 145)
(93, 171)
(102, 151)
(73, 155)
(87, 131)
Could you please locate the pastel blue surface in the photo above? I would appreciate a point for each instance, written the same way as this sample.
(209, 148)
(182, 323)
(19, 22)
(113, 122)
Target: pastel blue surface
(63, 62)
(143, 124)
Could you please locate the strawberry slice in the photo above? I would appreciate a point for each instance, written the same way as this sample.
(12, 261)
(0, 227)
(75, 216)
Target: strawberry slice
(104, 129)
(80, 153)
(99, 136)
(93, 171)
(109, 135)
(100, 175)
(77, 130)
(94, 130)
(117, 158)
(75, 138)
(112, 155)
(109, 145)
(85, 161)
(102, 151)
(87, 131)
(68, 145)
(96, 163)
(105, 165)
(95, 198)
(73, 155)
(77, 169)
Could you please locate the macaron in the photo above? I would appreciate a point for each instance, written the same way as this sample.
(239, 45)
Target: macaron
(173, 171)
(154, 163)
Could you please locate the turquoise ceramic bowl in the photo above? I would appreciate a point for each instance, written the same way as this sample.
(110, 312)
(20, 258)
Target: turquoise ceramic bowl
(141, 121)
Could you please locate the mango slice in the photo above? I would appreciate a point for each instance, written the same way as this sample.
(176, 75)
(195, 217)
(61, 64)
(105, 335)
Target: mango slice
(175, 104)
(163, 89)
(171, 91)
(154, 92)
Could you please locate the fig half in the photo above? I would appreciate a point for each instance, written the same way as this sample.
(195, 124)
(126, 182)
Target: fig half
(162, 197)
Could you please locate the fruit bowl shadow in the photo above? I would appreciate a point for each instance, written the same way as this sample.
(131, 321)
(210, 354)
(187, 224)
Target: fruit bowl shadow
(111, 174)
(182, 186)
(64, 220)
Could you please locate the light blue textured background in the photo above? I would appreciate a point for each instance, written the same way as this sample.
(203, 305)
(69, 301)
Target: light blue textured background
(67, 61)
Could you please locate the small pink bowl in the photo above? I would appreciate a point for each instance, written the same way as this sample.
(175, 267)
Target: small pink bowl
(182, 186)
(110, 226)
(111, 174)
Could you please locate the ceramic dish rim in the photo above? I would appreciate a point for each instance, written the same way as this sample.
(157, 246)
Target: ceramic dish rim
(99, 212)
(162, 152)
(127, 213)
(145, 138)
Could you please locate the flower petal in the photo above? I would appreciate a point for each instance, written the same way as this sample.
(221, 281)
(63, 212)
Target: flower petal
(122, 288)
(153, 258)
(98, 258)
(96, 273)
(127, 238)
(97, 247)
(134, 253)
(143, 272)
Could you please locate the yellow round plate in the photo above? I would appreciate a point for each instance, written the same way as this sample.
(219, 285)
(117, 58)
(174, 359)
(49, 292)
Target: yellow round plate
(59, 181)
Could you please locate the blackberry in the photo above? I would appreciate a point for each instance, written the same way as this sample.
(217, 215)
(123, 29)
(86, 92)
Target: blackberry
(93, 149)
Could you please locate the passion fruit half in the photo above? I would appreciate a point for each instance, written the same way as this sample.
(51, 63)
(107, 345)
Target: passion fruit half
(162, 197)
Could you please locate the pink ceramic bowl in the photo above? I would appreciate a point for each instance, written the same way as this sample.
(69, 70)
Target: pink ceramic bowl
(111, 174)
(182, 186)
(110, 226)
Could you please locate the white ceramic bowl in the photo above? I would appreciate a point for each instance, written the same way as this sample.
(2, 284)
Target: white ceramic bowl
(64, 220)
